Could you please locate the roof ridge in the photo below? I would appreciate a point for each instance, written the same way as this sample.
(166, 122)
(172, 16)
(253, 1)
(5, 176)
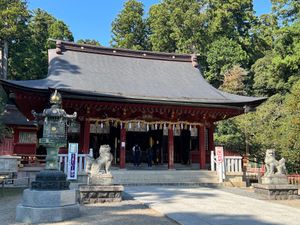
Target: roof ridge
(62, 46)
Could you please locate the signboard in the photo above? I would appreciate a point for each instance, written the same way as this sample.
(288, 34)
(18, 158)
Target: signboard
(72, 161)
(219, 154)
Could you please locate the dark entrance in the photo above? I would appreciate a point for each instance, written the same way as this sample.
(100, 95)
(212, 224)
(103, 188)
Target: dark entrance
(182, 147)
(152, 138)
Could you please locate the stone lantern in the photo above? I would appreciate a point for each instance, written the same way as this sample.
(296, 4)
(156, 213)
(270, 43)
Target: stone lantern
(50, 199)
(54, 136)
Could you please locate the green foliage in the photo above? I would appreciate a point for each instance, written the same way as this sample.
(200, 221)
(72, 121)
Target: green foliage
(59, 30)
(275, 124)
(230, 136)
(287, 11)
(88, 42)
(289, 143)
(129, 29)
(222, 55)
(234, 80)
(13, 20)
(28, 56)
(279, 69)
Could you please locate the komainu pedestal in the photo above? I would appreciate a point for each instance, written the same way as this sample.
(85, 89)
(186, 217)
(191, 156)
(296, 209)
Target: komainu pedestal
(100, 187)
(90, 194)
(275, 184)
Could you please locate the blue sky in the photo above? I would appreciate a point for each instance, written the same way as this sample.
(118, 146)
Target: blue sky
(91, 19)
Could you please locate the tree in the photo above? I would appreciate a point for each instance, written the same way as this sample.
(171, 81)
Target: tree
(59, 30)
(13, 20)
(222, 55)
(88, 42)
(228, 133)
(279, 69)
(289, 129)
(287, 11)
(39, 26)
(178, 26)
(13, 27)
(129, 29)
(160, 34)
(28, 58)
(234, 80)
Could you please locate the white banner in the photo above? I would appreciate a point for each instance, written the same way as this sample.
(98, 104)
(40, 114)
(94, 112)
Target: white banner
(72, 161)
(219, 154)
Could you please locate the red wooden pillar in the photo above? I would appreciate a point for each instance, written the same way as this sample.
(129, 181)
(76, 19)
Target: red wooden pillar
(85, 137)
(170, 149)
(201, 135)
(122, 148)
(211, 143)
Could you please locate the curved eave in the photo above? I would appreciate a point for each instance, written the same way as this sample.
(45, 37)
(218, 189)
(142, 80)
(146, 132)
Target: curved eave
(87, 95)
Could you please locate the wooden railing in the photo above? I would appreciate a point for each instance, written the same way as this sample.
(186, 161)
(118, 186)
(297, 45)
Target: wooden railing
(294, 179)
(232, 164)
(63, 162)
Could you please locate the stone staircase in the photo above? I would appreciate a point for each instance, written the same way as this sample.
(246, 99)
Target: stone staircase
(166, 177)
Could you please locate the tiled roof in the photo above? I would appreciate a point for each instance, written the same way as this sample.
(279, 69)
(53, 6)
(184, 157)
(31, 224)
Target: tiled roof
(121, 73)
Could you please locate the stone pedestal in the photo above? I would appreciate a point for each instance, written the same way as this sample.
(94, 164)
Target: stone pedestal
(275, 179)
(9, 164)
(100, 193)
(277, 191)
(100, 179)
(276, 187)
(47, 206)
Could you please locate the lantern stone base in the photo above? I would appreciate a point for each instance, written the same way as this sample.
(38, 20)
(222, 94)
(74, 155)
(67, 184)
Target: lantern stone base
(50, 180)
(90, 194)
(277, 191)
(47, 206)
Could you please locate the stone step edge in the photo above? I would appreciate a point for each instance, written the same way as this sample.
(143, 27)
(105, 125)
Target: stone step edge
(175, 184)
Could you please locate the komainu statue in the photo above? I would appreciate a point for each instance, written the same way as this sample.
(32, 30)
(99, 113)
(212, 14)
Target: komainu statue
(272, 165)
(102, 164)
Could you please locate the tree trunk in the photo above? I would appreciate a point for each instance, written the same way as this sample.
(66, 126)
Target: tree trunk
(3, 60)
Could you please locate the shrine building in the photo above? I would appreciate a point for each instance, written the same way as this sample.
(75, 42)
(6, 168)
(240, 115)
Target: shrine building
(125, 97)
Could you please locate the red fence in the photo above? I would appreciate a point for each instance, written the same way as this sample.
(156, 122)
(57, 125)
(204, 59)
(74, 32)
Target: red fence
(294, 179)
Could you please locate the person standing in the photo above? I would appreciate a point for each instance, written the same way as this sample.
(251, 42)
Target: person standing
(149, 156)
(136, 154)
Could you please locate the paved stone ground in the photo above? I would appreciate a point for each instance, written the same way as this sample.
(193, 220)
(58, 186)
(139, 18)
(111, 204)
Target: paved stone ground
(249, 192)
(128, 212)
(206, 206)
(187, 205)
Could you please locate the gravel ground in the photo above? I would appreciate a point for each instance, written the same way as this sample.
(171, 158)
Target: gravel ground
(129, 212)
